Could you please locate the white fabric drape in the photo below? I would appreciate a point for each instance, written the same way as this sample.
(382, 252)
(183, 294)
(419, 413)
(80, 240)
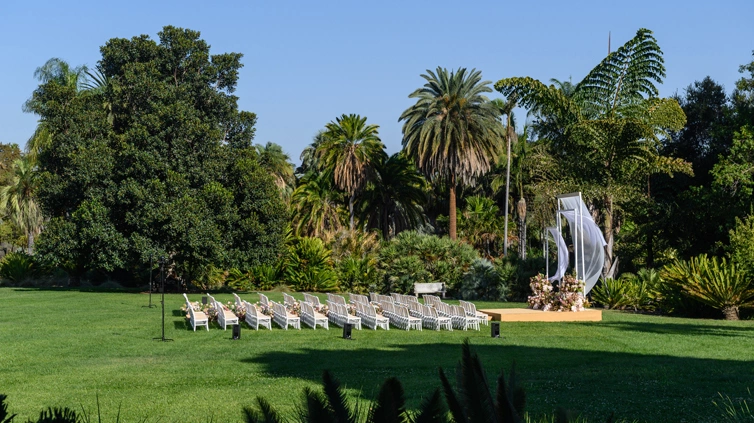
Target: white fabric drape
(593, 242)
(562, 254)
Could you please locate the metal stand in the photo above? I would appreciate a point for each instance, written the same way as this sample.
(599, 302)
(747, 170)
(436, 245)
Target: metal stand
(150, 285)
(162, 262)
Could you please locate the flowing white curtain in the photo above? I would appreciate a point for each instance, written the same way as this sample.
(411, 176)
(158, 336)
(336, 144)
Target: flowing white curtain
(593, 252)
(562, 254)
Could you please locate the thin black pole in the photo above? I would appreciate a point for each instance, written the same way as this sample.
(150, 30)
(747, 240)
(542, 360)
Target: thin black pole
(151, 266)
(162, 289)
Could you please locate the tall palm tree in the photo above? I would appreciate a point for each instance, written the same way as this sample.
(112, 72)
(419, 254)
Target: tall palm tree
(58, 71)
(18, 200)
(393, 201)
(452, 132)
(349, 150)
(278, 163)
(506, 109)
(315, 206)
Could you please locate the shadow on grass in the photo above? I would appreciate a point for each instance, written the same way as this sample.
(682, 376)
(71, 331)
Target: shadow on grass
(682, 329)
(594, 383)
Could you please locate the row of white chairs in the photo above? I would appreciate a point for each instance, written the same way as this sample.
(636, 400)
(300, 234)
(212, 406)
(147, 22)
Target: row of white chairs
(433, 314)
(339, 314)
(369, 316)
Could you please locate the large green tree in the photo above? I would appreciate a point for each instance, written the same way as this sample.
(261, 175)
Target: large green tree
(349, 150)
(158, 162)
(452, 132)
(606, 133)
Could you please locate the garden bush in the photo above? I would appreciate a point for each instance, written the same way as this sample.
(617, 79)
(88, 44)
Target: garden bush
(484, 282)
(17, 267)
(412, 257)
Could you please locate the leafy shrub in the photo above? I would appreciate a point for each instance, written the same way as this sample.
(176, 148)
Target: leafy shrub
(240, 281)
(523, 271)
(612, 293)
(18, 267)
(357, 275)
(309, 266)
(484, 282)
(265, 276)
(741, 248)
(210, 278)
(717, 283)
(412, 257)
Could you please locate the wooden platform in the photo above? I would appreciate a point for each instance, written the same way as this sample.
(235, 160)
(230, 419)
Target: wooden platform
(529, 315)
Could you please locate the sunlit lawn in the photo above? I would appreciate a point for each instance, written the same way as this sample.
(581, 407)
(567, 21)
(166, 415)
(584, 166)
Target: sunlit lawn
(62, 348)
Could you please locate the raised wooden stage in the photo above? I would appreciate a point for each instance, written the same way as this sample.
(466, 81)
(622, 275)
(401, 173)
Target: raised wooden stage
(529, 315)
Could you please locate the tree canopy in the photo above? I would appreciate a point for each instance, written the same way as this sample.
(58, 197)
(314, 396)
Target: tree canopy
(158, 162)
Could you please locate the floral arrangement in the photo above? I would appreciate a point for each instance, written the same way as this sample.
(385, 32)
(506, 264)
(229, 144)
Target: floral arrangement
(207, 309)
(294, 309)
(267, 311)
(569, 296)
(236, 309)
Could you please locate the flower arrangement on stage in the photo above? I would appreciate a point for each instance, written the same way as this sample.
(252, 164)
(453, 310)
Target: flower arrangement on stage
(568, 297)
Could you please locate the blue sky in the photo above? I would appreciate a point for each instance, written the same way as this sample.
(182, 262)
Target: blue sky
(307, 62)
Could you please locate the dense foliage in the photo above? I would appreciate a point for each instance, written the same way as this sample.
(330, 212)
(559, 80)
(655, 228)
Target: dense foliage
(158, 162)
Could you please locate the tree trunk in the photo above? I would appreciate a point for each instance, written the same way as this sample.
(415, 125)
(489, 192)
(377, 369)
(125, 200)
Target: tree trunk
(350, 209)
(730, 312)
(452, 211)
(507, 188)
(521, 209)
(30, 241)
(608, 235)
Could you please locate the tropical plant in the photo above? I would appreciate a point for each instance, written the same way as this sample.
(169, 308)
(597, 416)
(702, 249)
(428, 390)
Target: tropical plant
(474, 401)
(480, 224)
(605, 133)
(349, 151)
(357, 274)
(238, 280)
(483, 282)
(393, 200)
(17, 267)
(309, 266)
(717, 283)
(266, 276)
(18, 200)
(315, 204)
(612, 293)
(273, 159)
(331, 406)
(452, 132)
(741, 246)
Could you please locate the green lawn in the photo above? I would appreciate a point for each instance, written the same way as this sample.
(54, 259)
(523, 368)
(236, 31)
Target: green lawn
(65, 347)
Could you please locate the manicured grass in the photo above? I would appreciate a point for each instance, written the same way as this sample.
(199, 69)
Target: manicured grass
(62, 348)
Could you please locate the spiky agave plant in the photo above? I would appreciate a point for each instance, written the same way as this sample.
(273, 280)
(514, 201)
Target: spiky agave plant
(717, 283)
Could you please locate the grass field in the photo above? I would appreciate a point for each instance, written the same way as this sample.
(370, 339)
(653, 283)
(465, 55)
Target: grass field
(63, 348)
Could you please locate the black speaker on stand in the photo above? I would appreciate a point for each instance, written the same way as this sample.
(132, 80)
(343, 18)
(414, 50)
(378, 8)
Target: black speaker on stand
(347, 330)
(150, 283)
(236, 332)
(162, 262)
(495, 329)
